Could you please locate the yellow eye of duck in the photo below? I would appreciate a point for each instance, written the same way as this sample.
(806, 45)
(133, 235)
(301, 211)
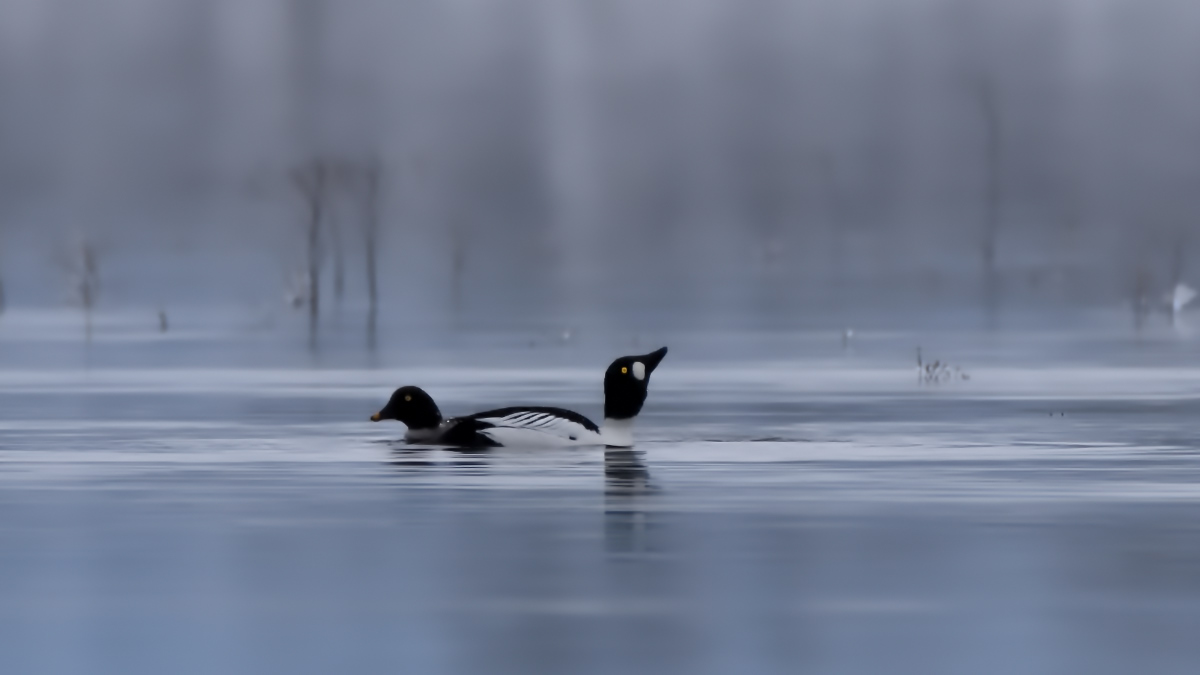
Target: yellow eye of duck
(407, 397)
(624, 370)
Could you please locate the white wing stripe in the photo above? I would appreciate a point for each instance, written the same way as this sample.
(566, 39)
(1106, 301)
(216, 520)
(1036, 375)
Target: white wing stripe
(542, 422)
(537, 420)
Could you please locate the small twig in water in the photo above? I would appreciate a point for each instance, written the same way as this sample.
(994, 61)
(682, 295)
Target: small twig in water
(938, 372)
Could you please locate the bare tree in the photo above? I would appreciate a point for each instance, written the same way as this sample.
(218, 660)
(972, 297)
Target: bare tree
(989, 108)
(1178, 260)
(311, 180)
(89, 282)
(370, 222)
(1178, 256)
(371, 178)
(339, 261)
(361, 179)
(80, 263)
(836, 215)
(1140, 291)
(2, 298)
(459, 237)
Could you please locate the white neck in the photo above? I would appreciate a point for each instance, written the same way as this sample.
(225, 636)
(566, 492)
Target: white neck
(617, 433)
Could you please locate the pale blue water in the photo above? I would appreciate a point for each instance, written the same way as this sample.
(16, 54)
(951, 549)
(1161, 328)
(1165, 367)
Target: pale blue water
(216, 501)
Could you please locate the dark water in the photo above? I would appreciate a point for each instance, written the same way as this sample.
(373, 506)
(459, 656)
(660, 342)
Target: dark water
(790, 507)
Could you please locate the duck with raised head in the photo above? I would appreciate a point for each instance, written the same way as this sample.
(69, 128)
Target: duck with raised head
(626, 383)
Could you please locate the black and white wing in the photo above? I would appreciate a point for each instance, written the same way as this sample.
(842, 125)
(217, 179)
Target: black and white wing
(532, 426)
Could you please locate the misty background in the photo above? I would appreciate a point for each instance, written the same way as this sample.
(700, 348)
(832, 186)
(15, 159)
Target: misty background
(776, 160)
(925, 408)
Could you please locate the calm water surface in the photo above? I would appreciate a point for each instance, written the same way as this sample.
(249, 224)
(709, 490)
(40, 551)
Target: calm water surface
(790, 507)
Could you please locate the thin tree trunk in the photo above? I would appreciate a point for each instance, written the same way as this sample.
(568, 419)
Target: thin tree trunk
(339, 263)
(1177, 263)
(1141, 295)
(372, 291)
(991, 225)
(314, 259)
(836, 222)
(87, 290)
(371, 246)
(458, 264)
(1177, 259)
(372, 236)
(311, 182)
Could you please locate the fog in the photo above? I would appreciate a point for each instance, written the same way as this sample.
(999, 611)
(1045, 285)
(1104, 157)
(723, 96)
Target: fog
(931, 395)
(559, 159)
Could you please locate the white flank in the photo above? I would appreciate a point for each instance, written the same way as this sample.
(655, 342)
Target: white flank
(538, 429)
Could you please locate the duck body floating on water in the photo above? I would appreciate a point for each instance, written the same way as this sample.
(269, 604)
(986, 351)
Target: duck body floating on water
(626, 384)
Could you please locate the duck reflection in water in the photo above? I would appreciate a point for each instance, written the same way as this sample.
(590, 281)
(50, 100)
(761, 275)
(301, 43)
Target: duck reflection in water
(408, 458)
(626, 490)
